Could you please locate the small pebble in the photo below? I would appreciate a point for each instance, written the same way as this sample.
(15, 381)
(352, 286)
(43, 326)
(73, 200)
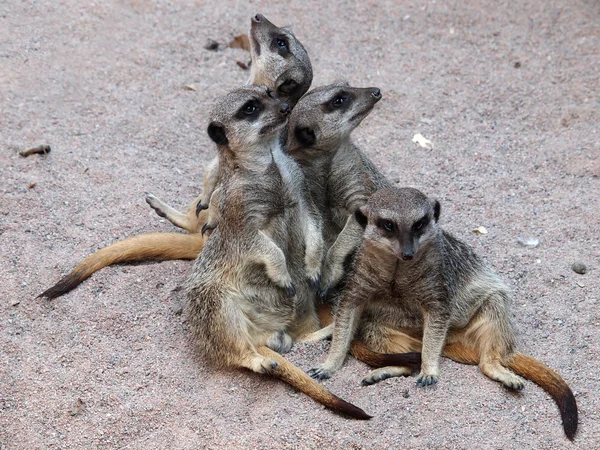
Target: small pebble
(579, 268)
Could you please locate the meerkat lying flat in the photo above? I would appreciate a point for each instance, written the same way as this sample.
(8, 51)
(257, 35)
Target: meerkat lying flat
(415, 287)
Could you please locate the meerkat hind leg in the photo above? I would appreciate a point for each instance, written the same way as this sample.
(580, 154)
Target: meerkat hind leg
(280, 342)
(258, 363)
(319, 335)
(171, 214)
(384, 373)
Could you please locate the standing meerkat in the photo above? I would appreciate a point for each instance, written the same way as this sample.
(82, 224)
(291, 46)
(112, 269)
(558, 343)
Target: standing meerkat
(280, 62)
(415, 287)
(237, 308)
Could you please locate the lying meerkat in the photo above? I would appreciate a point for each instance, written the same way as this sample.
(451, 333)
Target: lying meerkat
(279, 61)
(415, 287)
(237, 310)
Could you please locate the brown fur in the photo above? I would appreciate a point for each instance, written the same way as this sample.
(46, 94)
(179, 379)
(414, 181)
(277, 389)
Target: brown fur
(416, 288)
(163, 246)
(249, 288)
(289, 77)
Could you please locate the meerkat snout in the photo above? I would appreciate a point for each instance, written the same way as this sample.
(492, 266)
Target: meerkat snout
(376, 92)
(285, 109)
(258, 17)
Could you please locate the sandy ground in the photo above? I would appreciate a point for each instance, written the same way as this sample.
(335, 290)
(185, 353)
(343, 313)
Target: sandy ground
(509, 95)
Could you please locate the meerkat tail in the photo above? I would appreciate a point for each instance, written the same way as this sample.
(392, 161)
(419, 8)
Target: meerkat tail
(374, 359)
(295, 377)
(166, 246)
(553, 384)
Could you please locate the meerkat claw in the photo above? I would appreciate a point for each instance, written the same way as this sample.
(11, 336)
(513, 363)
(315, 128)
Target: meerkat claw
(319, 374)
(426, 380)
(291, 290)
(200, 207)
(316, 283)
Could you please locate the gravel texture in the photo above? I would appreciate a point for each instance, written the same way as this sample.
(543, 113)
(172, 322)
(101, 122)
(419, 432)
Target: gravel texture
(508, 92)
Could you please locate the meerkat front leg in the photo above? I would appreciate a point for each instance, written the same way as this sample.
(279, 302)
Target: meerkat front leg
(269, 254)
(346, 242)
(213, 212)
(209, 184)
(346, 322)
(435, 329)
(313, 257)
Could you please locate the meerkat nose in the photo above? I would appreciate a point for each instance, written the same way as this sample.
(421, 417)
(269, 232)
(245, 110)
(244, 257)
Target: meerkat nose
(376, 92)
(285, 109)
(258, 17)
(407, 256)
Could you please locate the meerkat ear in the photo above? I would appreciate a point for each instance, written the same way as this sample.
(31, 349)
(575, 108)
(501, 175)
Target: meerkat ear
(361, 216)
(437, 209)
(216, 131)
(305, 136)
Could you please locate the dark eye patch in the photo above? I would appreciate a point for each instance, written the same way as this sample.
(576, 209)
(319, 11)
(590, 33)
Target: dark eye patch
(421, 224)
(249, 111)
(386, 225)
(340, 101)
(280, 44)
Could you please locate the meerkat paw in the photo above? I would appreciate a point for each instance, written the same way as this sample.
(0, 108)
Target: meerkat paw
(384, 373)
(315, 282)
(497, 372)
(200, 207)
(332, 274)
(319, 373)
(280, 342)
(263, 365)
(207, 228)
(156, 204)
(425, 380)
(285, 282)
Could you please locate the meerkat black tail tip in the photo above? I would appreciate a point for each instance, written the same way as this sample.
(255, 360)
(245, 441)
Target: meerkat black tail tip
(553, 384)
(295, 377)
(374, 359)
(66, 284)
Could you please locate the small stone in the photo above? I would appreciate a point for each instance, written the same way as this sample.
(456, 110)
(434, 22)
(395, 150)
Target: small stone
(211, 45)
(579, 268)
(15, 302)
(406, 394)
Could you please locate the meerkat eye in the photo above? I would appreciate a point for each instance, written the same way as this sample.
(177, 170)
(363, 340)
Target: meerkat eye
(386, 225)
(249, 109)
(281, 43)
(339, 101)
(420, 224)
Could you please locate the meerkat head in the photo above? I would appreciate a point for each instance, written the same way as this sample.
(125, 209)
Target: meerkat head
(279, 60)
(326, 116)
(246, 119)
(399, 221)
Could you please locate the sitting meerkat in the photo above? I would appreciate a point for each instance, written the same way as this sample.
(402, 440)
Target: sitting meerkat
(341, 177)
(279, 61)
(414, 287)
(249, 295)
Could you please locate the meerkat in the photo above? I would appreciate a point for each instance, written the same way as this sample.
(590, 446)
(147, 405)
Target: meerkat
(237, 310)
(279, 61)
(415, 287)
(340, 175)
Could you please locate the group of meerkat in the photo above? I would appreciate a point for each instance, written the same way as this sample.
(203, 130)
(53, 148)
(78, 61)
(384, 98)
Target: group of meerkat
(292, 210)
